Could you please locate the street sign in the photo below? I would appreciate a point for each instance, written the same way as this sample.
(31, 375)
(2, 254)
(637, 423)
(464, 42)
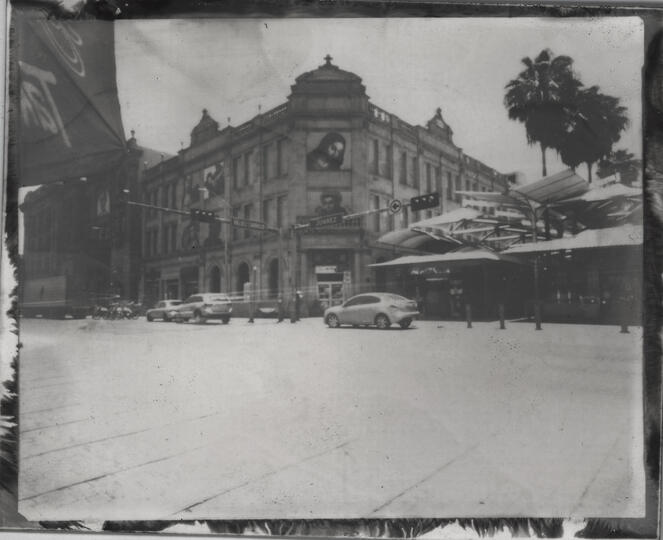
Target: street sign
(248, 224)
(395, 206)
(333, 219)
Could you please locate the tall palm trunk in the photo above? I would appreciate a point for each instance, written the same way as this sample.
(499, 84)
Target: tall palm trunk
(543, 160)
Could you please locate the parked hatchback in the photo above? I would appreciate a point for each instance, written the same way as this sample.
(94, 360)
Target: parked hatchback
(201, 307)
(379, 309)
(161, 310)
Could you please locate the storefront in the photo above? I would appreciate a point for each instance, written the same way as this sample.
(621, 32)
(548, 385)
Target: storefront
(443, 285)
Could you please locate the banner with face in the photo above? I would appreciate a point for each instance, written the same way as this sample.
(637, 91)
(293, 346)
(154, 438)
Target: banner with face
(328, 151)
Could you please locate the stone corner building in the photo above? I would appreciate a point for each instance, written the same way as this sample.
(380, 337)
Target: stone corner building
(326, 150)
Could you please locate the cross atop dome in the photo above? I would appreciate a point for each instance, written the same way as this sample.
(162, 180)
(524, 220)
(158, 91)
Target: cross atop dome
(328, 60)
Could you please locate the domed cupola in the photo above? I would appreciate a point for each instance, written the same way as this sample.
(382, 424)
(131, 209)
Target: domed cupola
(328, 89)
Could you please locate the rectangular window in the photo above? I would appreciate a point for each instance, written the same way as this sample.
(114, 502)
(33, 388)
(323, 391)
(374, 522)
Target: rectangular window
(266, 212)
(236, 230)
(265, 162)
(376, 216)
(375, 158)
(236, 163)
(388, 217)
(248, 213)
(429, 178)
(248, 177)
(173, 237)
(281, 211)
(475, 187)
(147, 248)
(165, 233)
(279, 158)
(389, 161)
(415, 171)
(467, 185)
(402, 176)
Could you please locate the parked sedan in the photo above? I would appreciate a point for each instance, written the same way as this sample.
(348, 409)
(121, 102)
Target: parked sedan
(379, 309)
(201, 307)
(161, 310)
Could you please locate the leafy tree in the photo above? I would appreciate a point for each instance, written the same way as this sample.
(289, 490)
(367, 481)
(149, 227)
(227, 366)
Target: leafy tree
(540, 98)
(622, 162)
(592, 128)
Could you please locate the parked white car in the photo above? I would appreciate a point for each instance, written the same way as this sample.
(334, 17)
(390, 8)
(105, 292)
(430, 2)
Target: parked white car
(161, 310)
(379, 309)
(201, 307)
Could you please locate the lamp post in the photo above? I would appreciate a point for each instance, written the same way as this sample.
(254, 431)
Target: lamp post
(226, 238)
(252, 305)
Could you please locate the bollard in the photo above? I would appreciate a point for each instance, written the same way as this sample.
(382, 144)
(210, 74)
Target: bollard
(537, 315)
(468, 315)
(500, 309)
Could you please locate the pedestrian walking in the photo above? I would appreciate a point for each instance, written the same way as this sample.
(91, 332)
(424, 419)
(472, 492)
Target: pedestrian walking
(297, 307)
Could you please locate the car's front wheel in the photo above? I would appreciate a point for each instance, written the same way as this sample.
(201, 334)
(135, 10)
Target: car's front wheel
(405, 323)
(150, 318)
(382, 321)
(332, 321)
(225, 320)
(198, 318)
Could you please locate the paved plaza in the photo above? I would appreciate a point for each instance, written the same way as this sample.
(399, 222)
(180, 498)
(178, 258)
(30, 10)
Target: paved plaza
(138, 420)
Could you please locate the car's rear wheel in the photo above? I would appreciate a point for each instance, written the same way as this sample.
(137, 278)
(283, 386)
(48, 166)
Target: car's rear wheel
(405, 323)
(382, 321)
(332, 321)
(225, 320)
(198, 318)
(150, 318)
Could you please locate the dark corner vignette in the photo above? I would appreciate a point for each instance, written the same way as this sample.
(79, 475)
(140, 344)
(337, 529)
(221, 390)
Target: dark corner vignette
(396, 528)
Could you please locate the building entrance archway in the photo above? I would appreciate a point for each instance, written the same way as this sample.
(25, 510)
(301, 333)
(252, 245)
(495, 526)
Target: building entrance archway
(215, 279)
(243, 276)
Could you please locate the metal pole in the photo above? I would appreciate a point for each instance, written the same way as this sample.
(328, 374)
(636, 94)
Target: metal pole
(252, 304)
(468, 315)
(500, 309)
(537, 306)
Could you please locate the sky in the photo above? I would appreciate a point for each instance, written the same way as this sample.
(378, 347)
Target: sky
(169, 70)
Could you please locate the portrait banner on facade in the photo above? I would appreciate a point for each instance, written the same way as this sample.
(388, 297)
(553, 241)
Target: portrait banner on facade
(328, 151)
(68, 121)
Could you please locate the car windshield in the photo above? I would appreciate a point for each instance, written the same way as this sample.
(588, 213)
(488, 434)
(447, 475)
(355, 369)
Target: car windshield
(173, 302)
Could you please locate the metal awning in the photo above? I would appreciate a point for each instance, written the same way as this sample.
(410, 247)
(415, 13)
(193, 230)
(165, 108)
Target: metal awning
(454, 256)
(625, 235)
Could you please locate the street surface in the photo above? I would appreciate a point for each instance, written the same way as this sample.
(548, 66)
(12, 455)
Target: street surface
(138, 420)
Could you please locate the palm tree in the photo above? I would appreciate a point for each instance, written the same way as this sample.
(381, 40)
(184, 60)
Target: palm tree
(592, 128)
(540, 97)
(622, 162)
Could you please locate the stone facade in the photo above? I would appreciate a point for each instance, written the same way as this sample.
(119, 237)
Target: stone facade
(326, 150)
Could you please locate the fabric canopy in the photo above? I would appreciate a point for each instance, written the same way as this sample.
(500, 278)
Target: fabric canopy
(454, 256)
(68, 122)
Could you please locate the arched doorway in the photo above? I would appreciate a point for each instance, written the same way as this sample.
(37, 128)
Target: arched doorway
(242, 277)
(274, 278)
(215, 279)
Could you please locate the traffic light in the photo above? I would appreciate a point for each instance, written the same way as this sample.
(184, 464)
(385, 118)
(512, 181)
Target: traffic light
(421, 202)
(206, 216)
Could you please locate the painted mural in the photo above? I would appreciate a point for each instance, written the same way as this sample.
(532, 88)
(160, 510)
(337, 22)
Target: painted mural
(214, 180)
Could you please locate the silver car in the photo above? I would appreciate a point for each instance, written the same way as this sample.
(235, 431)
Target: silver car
(161, 309)
(379, 309)
(201, 307)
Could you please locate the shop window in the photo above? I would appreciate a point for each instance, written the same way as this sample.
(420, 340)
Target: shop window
(376, 215)
(429, 178)
(389, 160)
(267, 212)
